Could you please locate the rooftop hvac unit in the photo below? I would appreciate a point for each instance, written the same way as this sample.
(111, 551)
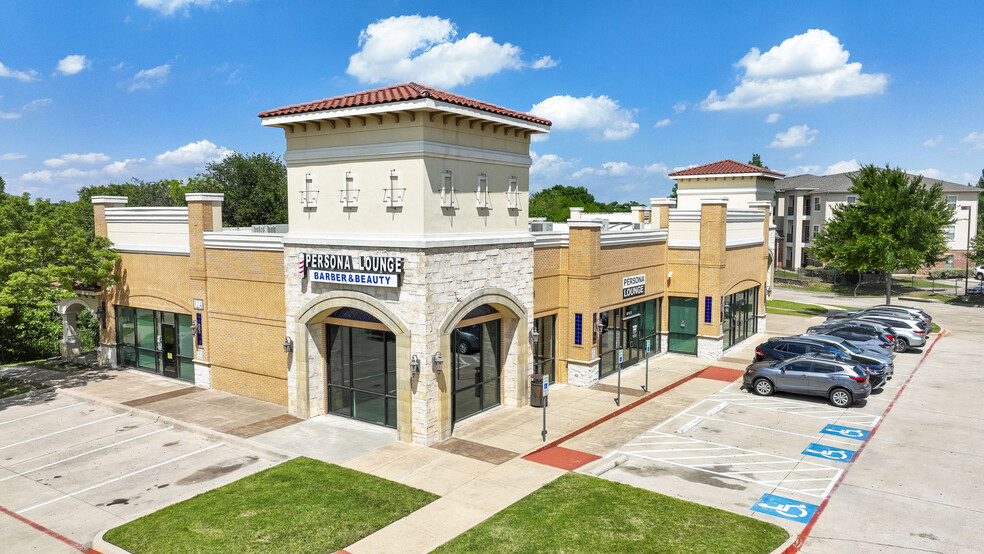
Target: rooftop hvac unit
(541, 226)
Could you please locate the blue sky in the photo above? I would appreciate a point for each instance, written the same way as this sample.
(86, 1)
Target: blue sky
(98, 92)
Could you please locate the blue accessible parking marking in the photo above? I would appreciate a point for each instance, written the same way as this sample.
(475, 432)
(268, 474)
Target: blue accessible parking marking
(829, 452)
(849, 432)
(786, 508)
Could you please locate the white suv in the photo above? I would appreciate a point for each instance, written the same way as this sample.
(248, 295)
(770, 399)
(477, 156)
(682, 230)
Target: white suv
(979, 272)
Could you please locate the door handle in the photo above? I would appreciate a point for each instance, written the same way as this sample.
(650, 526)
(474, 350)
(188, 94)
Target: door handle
(683, 323)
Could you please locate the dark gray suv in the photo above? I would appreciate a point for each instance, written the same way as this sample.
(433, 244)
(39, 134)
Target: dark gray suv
(842, 382)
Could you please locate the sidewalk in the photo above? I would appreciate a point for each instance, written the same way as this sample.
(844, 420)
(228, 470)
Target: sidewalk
(484, 468)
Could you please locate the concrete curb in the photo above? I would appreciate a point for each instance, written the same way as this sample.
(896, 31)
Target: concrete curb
(226, 438)
(100, 544)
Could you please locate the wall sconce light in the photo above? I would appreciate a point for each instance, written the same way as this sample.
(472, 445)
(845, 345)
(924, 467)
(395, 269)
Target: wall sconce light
(438, 362)
(534, 337)
(414, 365)
(194, 329)
(288, 345)
(668, 275)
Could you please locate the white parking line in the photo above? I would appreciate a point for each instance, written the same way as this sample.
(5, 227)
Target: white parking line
(120, 478)
(774, 430)
(42, 413)
(59, 432)
(21, 474)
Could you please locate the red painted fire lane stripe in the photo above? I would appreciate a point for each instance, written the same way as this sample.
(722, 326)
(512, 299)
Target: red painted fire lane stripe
(49, 532)
(801, 539)
(617, 412)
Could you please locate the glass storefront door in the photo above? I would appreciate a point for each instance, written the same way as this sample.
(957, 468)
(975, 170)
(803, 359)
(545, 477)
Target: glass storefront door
(475, 367)
(155, 341)
(739, 318)
(544, 355)
(628, 328)
(682, 327)
(362, 374)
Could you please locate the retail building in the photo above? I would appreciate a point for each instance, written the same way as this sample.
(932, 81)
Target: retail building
(410, 288)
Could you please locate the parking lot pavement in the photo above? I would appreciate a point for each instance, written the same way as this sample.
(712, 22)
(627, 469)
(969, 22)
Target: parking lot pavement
(70, 469)
(775, 458)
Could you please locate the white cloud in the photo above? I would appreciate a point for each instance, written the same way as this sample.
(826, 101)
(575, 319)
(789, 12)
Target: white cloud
(773, 117)
(680, 107)
(657, 167)
(799, 155)
(797, 136)
(965, 177)
(682, 167)
(149, 78)
(807, 68)
(545, 62)
(168, 7)
(118, 168)
(975, 140)
(70, 65)
(12, 156)
(931, 173)
(30, 106)
(200, 152)
(802, 169)
(933, 141)
(43, 176)
(427, 50)
(663, 123)
(842, 167)
(65, 159)
(601, 115)
(549, 165)
(118, 67)
(643, 181)
(24, 76)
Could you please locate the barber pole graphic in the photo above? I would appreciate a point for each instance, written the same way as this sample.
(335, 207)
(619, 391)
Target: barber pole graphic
(300, 265)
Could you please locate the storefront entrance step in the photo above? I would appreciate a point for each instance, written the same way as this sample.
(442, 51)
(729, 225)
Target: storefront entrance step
(721, 374)
(163, 396)
(475, 451)
(264, 426)
(562, 458)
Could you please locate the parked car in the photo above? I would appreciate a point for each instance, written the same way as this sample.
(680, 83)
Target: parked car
(841, 382)
(979, 272)
(849, 347)
(908, 309)
(846, 314)
(923, 324)
(976, 289)
(784, 348)
(908, 332)
(468, 341)
(865, 334)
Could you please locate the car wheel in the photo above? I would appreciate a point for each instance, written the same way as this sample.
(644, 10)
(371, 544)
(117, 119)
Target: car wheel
(463, 347)
(763, 387)
(901, 345)
(842, 398)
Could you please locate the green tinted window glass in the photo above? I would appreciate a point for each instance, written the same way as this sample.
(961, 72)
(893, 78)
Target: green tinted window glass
(186, 369)
(125, 325)
(146, 337)
(147, 359)
(186, 339)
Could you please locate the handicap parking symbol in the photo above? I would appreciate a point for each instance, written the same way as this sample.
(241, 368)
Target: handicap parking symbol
(829, 452)
(786, 508)
(848, 432)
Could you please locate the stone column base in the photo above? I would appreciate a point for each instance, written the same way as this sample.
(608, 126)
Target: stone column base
(70, 348)
(106, 355)
(710, 348)
(582, 374)
(760, 324)
(203, 374)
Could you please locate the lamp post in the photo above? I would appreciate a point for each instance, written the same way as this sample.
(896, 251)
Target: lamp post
(967, 251)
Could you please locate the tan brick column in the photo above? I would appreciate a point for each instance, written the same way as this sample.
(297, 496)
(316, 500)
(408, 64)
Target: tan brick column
(661, 211)
(204, 214)
(768, 270)
(583, 258)
(107, 335)
(713, 256)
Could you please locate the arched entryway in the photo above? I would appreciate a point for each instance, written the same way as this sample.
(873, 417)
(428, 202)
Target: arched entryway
(484, 342)
(351, 359)
(70, 345)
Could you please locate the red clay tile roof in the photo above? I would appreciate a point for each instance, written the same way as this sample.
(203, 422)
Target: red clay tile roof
(725, 167)
(399, 93)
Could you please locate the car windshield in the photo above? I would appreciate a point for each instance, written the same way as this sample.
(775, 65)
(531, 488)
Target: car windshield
(851, 346)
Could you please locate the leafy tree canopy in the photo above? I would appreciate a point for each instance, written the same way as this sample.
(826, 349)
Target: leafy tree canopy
(45, 249)
(897, 222)
(757, 161)
(555, 203)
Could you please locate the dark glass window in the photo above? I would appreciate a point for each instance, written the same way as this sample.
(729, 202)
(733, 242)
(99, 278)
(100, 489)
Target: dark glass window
(361, 372)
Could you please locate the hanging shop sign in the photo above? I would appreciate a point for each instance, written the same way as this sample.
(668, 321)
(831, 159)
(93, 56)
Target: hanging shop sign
(633, 286)
(379, 271)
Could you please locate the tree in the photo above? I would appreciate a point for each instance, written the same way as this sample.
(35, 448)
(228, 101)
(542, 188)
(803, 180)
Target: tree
(255, 188)
(980, 202)
(897, 222)
(673, 193)
(555, 203)
(757, 161)
(45, 249)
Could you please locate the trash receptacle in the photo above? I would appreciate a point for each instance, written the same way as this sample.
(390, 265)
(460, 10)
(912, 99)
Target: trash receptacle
(536, 391)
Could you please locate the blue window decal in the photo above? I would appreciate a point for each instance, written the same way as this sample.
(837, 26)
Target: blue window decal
(708, 302)
(594, 328)
(577, 328)
(198, 320)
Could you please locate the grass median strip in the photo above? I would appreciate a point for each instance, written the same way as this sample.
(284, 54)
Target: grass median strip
(13, 387)
(301, 505)
(794, 308)
(580, 513)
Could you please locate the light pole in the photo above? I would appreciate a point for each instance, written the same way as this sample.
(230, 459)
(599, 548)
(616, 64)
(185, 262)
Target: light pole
(967, 251)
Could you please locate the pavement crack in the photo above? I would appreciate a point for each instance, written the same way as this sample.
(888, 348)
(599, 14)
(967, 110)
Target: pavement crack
(873, 543)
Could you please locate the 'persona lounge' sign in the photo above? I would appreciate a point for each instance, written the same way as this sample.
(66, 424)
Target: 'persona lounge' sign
(633, 286)
(380, 271)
